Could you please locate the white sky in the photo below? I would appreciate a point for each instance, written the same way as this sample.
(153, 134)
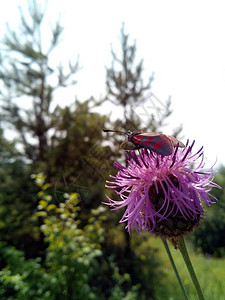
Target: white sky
(182, 42)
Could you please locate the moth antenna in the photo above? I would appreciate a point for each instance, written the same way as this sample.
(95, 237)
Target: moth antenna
(116, 131)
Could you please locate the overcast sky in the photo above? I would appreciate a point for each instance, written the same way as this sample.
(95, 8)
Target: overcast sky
(182, 42)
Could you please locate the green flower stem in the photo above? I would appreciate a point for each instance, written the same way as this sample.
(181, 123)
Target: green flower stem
(184, 252)
(175, 268)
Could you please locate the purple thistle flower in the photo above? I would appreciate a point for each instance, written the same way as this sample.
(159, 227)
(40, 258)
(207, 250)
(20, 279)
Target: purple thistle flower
(163, 194)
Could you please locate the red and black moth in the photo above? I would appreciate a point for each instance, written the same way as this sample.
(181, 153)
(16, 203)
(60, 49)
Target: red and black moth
(156, 142)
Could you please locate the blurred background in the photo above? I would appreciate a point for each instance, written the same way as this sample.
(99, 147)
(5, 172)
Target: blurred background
(68, 69)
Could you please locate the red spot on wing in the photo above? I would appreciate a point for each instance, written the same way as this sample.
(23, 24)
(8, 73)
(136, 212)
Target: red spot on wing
(141, 137)
(138, 137)
(136, 141)
(159, 145)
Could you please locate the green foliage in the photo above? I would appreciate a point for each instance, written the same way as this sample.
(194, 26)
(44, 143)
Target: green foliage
(77, 149)
(210, 272)
(210, 236)
(17, 201)
(73, 257)
(72, 250)
(118, 291)
(21, 278)
(7, 150)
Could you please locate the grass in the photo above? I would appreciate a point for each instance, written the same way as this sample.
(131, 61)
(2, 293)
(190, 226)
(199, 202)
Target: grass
(210, 272)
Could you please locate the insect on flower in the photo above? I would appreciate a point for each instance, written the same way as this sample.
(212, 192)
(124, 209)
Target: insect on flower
(156, 142)
(163, 198)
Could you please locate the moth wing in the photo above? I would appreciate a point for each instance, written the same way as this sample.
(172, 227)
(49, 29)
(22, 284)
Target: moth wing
(176, 142)
(156, 142)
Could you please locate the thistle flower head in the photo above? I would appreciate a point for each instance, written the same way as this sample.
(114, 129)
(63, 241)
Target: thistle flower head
(163, 194)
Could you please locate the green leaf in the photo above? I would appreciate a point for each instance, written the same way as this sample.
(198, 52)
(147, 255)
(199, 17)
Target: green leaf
(41, 214)
(43, 204)
(46, 186)
(51, 207)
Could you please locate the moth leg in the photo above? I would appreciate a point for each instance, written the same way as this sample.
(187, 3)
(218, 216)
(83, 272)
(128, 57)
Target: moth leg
(121, 146)
(135, 147)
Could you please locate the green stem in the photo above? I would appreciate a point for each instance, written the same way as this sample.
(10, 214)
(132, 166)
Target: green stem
(184, 252)
(175, 268)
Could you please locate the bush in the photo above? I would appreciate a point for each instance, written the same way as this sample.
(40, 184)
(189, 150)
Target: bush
(73, 257)
(210, 236)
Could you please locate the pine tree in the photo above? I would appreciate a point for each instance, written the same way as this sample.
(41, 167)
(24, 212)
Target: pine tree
(127, 88)
(27, 80)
